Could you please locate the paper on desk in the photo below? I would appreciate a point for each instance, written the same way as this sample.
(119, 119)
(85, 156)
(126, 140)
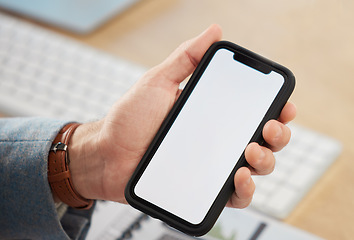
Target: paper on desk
(113, 220)
(247, 224)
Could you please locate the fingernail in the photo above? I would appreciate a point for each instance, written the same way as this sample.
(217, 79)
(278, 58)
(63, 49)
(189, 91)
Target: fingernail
(278, 132)
(248, 181)
(261, 153)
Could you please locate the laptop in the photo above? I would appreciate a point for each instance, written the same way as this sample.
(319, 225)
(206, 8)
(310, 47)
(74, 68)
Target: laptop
(78, 16)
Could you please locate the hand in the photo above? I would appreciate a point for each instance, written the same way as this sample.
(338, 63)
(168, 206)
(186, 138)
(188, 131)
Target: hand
(105, 153)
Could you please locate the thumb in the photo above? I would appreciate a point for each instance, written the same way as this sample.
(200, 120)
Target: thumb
(182, 62)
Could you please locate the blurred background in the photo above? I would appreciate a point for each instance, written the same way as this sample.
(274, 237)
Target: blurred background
(313, 38)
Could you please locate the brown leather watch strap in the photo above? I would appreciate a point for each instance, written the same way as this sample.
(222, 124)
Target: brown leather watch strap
(58, 170)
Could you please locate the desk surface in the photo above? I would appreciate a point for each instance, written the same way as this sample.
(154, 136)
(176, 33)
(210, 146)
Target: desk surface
(312, 38)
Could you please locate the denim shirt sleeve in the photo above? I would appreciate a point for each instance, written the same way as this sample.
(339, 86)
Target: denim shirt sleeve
(27, 209)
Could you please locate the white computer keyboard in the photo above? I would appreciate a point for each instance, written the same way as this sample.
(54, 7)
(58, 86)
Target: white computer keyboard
(45, 74)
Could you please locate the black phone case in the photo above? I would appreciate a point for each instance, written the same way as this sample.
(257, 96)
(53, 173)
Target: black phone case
(249, 58)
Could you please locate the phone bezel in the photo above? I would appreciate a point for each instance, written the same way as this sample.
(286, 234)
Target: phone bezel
(228, 188)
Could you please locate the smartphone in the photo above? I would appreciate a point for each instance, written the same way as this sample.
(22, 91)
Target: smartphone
(187, 174)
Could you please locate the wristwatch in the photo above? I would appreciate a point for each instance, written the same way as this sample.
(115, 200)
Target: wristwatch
(59, 176)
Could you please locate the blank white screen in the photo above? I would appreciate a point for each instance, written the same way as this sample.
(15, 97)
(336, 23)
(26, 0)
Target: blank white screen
(208, 137)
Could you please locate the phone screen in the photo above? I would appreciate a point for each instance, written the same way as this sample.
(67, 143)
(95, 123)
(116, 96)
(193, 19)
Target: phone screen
(208, 137)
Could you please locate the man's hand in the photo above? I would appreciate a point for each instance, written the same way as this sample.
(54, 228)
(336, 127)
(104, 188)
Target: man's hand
(104, 154)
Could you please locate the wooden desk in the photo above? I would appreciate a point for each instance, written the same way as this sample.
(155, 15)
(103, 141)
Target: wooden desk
(312, 38)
